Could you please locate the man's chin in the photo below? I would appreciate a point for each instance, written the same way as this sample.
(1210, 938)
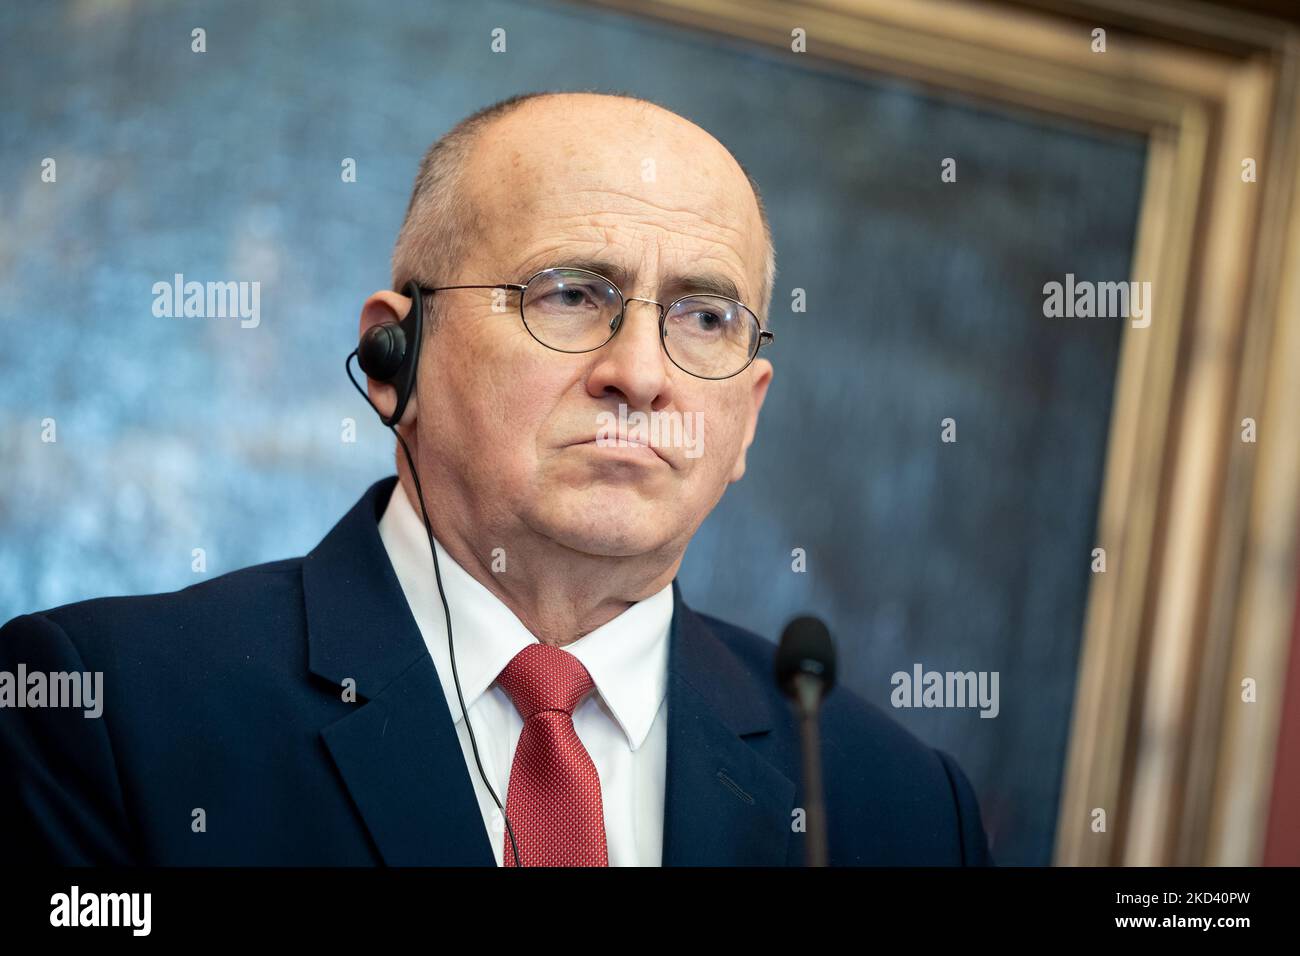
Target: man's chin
(612, 524)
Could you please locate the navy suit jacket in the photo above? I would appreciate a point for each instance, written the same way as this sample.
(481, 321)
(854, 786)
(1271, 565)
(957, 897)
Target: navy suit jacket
(226, 697)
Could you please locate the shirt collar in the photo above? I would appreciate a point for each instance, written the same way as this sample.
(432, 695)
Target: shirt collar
(626, 657)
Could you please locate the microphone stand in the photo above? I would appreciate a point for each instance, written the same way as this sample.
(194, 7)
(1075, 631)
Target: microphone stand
(808, 692)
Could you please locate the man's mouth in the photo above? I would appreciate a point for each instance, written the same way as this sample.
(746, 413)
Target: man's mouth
(632, 447)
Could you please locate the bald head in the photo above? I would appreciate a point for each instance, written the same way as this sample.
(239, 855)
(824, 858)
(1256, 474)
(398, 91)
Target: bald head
(606, 177)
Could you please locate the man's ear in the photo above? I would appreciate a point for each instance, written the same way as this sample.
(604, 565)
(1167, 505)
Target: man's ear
(760, 373)
(385, 306)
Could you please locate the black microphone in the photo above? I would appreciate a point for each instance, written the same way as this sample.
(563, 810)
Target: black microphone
(805, 672)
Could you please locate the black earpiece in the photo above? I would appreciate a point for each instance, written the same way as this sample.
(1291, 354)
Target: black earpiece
(381, 351)
(391, 352)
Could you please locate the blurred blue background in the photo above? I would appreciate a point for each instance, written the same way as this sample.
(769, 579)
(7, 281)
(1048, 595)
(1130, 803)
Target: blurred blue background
(924, 302)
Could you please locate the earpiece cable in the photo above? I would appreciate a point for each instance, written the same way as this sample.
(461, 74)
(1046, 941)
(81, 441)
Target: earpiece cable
(446, 610)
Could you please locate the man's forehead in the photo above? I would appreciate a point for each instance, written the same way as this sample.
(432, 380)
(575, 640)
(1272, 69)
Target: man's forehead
(618, 178)
(637, 255)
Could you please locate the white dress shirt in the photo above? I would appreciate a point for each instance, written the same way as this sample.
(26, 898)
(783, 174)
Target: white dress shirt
(622, 723)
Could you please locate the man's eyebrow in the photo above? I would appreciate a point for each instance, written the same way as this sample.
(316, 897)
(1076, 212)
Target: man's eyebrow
(696, 282)
(707, 282)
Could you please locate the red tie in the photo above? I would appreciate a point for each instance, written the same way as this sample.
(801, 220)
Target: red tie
(554, 798)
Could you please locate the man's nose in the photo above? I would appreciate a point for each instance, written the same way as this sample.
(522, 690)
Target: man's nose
(633, 363)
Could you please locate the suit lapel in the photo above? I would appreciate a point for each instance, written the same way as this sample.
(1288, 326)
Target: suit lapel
(397, 751)
(724, 804)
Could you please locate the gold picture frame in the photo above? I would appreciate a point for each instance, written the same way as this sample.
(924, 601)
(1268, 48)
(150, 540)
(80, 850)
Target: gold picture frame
(1200, 526)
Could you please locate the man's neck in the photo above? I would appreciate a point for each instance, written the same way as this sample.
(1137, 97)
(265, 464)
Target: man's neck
(557, 593)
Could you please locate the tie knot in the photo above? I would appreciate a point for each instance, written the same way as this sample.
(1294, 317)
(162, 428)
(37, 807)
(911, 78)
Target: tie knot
(542, 677)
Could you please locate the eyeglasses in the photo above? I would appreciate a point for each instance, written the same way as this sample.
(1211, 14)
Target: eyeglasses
(575, 310)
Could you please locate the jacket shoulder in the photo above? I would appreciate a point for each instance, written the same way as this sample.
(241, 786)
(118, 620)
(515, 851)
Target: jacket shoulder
(921, 804)
(235, 602)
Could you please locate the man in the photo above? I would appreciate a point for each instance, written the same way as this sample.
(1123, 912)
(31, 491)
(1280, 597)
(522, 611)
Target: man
(590, 261)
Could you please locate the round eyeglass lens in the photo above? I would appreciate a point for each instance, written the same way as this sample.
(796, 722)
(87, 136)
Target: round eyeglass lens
(711, 336)
(570, 310)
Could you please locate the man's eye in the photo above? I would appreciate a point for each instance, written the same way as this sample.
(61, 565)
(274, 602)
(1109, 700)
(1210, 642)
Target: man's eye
(570, 298)
(706, 320)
